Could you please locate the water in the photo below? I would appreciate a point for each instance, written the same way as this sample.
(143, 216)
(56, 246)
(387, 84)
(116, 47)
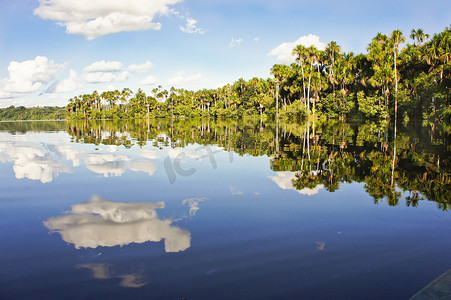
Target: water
(222, 210)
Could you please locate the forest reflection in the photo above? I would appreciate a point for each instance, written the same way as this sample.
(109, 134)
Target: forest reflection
(321, 154)
(310, 156)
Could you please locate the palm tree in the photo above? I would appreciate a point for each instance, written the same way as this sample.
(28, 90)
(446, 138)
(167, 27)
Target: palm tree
(300, 51)
(332, 50)
(396, 38)
(312, 58)
(419, 36)
(280, 76)
(377, 53)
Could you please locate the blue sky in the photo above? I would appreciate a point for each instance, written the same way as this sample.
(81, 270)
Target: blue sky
(51, 50)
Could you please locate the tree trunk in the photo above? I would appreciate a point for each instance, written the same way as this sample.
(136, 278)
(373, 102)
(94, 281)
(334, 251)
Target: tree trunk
(308, 89)
(303, 83)
(396, 88)
(277, 101)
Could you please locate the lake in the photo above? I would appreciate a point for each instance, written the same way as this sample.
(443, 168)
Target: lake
(205, 209)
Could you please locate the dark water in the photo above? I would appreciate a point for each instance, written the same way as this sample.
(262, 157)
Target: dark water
(222, 210)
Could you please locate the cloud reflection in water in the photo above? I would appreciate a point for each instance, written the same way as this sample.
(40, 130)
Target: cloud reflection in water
(285, 179)
(40, 160)
(31, 162)
(104, 271)
(101, 223)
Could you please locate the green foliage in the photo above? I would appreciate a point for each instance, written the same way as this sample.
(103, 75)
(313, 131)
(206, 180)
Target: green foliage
(32, 113)
(371, 106)
(334, 106)
(294, 112)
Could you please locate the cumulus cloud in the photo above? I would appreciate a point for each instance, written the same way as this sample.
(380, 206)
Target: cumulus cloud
(285, 181)
(102, 223)
(29, 75)
(141, 68)
(235, 42)
(180, 79)
(104, 72)
(116, 164)
(104, 66)
(103, 77)
(69, 153)
(191, 27)
(66, 85)
(31, 162)
(108, 164)
(149, 80)
(43, 160)
(283, 52)
(93, 19)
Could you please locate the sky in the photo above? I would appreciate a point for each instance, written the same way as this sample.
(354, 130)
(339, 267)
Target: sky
(52, 50)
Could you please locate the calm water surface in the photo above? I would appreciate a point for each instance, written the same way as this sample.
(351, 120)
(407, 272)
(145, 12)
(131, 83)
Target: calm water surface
(221, 210)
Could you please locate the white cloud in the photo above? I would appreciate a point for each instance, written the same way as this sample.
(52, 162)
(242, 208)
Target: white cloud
(104, 271)
(31, 162)
(5, 95)
(149, 153)
(193, 204)
(180, 153)
(283, 52)
(65, 85)
(191, 27)
(141, 166)
(180, 79)
(256, 39)
(68, 153)
(310, 192)
(93, 19)
(43, 160)
(29, 76)
(116, 164)
(235, 42)
(285, 181)
(102, 77)
(104, 66)
(104, 72)
(149, 80)
(101, 223)
(141, 68)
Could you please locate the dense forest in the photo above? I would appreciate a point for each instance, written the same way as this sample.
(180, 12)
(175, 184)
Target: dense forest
(411, 81)
(13, 113)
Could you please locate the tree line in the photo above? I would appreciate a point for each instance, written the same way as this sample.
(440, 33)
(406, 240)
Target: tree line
(13, 113)
(394, 78)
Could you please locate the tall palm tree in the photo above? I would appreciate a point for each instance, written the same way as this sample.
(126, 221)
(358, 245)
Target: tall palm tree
(280, 76)
(312, 58)
(301, 54)
(419, 36)
(332, 51)
(396, 38)
(378, 53)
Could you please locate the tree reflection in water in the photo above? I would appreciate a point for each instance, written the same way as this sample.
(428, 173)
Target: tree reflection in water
(320, 153)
